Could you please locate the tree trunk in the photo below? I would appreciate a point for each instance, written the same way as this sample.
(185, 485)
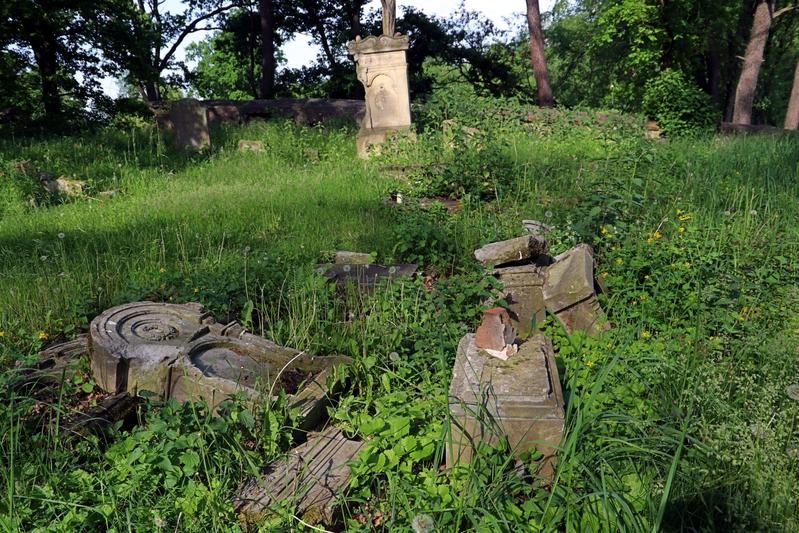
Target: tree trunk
(44, 52)
(792, 116)
(540, 71)
(268, 50)
(151, 91)
(753, 59)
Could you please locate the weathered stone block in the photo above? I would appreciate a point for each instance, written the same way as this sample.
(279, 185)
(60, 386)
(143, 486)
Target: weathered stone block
(520, 398)
(512, 250)
(251, 146)
(189, 119)
(132, 345)
(523, 292)
(309, 479)
(569, 292)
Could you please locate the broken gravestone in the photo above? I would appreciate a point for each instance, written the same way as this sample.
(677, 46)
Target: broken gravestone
(181, 352)
(520, 399)
(309, 479)
(522, 291)
(251, 146)
(569, 292)
(512, 250)
(189, 119)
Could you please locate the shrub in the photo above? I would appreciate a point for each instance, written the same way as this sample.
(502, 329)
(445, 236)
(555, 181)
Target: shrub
(679, 106)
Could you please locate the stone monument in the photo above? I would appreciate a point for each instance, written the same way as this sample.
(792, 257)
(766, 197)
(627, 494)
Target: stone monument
(189, 119)
(383, 70)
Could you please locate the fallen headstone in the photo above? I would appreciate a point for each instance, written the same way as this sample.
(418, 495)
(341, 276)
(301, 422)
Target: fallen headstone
(181, 352)
(62, 185)
(569, 292)
(512, 250)
(309, 479)
(189, 119)
(353, 258)
(101, 417)
(520, 398)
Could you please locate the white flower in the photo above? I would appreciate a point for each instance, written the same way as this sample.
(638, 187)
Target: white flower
(394, 357)
(61, 236)
(43, 258)
(753, 212)
(423, 523)
(548, 214)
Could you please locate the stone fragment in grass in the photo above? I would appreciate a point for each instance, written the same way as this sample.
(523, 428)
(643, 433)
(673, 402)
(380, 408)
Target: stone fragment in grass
(520, 398)
(793, 392)
(569, 292)
(353, 258)
(189, 119)
(309, 480)
(512, 250)
(522, 291)
(251, 146)
(62, 185)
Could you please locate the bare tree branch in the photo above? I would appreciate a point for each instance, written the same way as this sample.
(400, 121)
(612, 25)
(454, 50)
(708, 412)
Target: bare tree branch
(188, 30)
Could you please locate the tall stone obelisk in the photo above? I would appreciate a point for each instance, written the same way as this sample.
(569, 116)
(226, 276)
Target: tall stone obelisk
(382, 68)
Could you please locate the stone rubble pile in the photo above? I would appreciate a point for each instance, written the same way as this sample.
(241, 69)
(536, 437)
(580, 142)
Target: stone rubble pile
(505, 382)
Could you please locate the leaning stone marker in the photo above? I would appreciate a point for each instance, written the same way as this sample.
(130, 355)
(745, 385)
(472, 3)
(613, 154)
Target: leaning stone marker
(309, 479)
(569, 292)
(520, 398)
(512, 250)
(189, 119)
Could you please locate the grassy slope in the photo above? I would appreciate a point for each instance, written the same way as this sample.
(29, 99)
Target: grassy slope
(697, 240)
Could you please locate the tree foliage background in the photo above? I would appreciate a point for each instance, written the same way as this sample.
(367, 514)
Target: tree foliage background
(677, 61)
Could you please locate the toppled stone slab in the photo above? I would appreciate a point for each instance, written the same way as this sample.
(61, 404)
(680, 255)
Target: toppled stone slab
(569, 292)
(512, 250)
(309, 479)
(181, 352)
(520, 398)
(353, 258)
(365, 277)
(133, 345)
(522, 291)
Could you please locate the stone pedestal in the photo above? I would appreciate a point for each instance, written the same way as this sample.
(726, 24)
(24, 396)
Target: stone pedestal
(383, 70)
(189, 119)
(520, 398)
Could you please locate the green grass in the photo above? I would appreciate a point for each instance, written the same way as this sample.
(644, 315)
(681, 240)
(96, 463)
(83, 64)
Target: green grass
(678, 418)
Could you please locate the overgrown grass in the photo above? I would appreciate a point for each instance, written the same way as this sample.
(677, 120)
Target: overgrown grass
(678, 418)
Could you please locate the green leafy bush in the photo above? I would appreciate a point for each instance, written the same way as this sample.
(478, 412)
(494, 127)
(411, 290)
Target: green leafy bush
(678, 105)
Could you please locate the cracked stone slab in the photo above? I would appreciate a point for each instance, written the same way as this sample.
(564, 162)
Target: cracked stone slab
(570, 294)
(520, 398)
(512, 250)
(308, 479)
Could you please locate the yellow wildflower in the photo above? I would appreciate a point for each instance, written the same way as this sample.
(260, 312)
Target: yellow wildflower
(681, 229)
(680, 211)
(604, 230)
(43, 336)
(604, 274)
(196, 290)
(685, 217)
(162, 270)
(619, 261)
(688, 264)
(644, 297)
(589, 363)
(2, 333)
(646, 335)
(657, 235)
